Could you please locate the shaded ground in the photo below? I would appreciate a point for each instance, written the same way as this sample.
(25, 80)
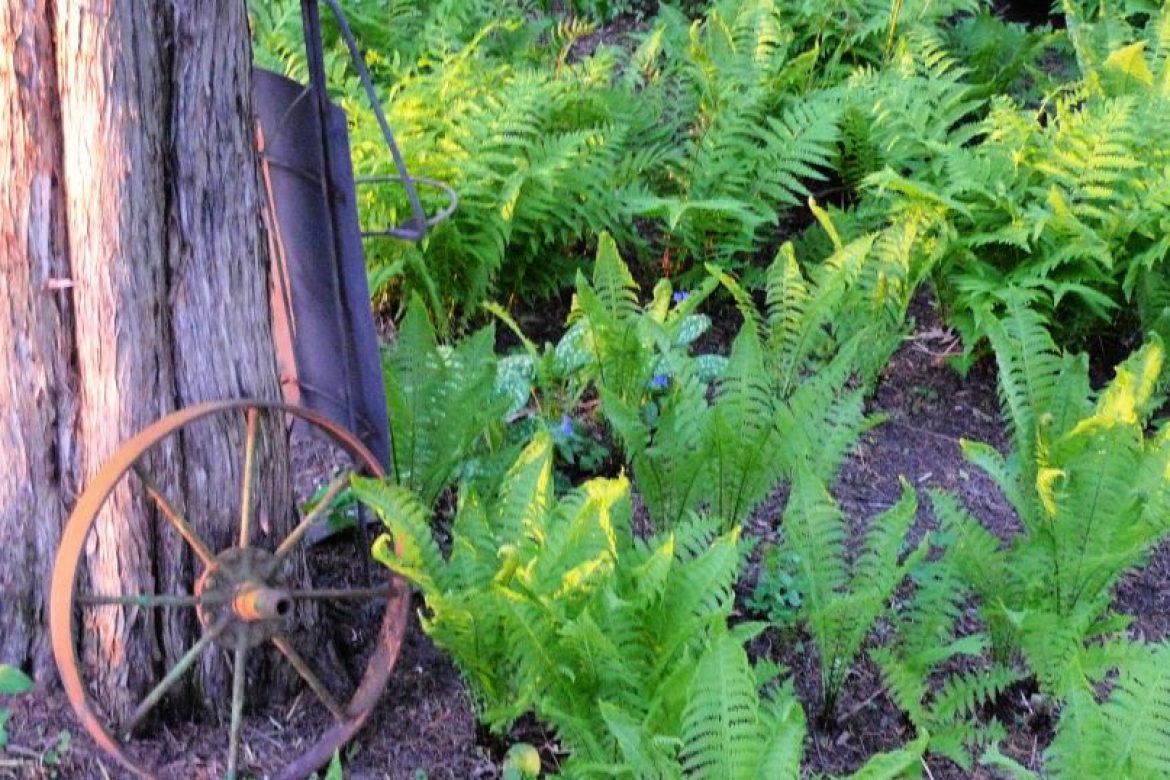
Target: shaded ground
(424, 723)
(424, 726)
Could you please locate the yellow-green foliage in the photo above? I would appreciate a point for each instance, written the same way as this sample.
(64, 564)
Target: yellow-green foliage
(1066, 201)
(552, 605)
(1089, 484)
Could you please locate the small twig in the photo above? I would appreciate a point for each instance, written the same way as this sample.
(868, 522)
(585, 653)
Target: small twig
(927, 768)
(817, 746)
(927, 432)
(860, 706)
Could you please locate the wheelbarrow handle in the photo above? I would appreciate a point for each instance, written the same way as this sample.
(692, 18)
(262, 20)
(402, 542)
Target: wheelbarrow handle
(418, 224)
(412, 230)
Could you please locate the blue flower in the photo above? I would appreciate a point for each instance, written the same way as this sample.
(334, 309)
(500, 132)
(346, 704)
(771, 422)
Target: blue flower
(659, 382)
(566, 426)
(680, 296)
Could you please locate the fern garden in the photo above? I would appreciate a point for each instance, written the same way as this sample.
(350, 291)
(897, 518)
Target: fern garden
(787, 397)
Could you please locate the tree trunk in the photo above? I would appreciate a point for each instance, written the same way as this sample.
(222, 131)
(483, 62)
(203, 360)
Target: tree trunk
(149, 202)
(38, 457)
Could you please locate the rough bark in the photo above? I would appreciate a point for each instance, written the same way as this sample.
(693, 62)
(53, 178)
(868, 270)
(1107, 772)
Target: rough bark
(37, 396)
(218, 285)
(112, 92)
(130, 170)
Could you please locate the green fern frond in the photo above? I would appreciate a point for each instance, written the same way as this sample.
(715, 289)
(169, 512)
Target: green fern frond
(813, 528)
(721, 725)
(878, 563)
(1038, 385)
(894, 764)
(440, 402)
(962, 694)
(783, 728)
(704, 587)
(526, 495)
(976, 553)
(1126, 736)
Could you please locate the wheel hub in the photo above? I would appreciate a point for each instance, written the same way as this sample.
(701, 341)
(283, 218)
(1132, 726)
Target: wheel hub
(242, 588)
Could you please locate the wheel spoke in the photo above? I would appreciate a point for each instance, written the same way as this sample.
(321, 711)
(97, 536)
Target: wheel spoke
(170, 513)
(247, 479)
(177, 671)
(302, 667)
(302, 528)
(321, 594)
(239, 678)
(145, 600)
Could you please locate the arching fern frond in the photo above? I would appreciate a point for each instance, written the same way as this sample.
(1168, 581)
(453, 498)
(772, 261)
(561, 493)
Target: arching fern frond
(1124, 736)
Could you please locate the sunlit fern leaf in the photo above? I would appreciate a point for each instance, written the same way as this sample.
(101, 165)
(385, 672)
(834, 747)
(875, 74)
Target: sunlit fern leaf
(410, 548)
(474, 547)
(526, 495)
(580, 547)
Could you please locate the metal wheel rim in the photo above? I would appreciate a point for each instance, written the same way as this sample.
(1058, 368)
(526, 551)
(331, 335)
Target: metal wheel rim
(71, 550)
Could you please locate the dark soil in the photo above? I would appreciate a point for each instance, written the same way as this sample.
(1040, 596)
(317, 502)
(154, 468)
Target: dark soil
(424, 725)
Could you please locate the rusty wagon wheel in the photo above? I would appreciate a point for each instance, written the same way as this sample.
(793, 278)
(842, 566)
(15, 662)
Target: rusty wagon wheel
(242, 598)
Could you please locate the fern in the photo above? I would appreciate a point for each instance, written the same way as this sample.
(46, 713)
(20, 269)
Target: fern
(782, 397)
(1123, 736)
(748, 149)
(721, 728)
(1062, 202)
(552, 606)
(542, 156)
(1080, 483)
(1039, 385)
(841, 602)
(441, 401)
